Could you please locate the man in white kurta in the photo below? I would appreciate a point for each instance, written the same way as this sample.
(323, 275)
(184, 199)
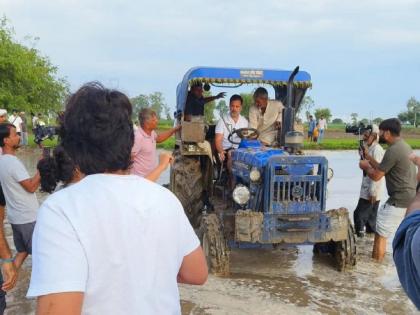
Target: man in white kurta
(265, 116)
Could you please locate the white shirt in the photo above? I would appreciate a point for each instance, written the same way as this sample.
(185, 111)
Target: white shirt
(227, 126)
(370, 187)
(322, 124)
(16, 121)
(120, 239)
(265, 123)
(22, 206)
(34, 121)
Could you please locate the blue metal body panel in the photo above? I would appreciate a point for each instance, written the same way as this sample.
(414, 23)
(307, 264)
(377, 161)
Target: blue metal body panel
(255, 156)
(291, 193)
(248, 143)
(295, 193)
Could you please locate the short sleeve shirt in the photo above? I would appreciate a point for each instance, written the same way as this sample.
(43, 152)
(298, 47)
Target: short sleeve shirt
(120, 239)
(322, 124)
(194, 105)
(369, 186)
(226, 125)
(312, 125)
(144, 153)
(400, 174)
(17, 122)
(21, 205)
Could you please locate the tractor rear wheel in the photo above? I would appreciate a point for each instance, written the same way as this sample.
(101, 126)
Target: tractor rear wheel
(214, 244)
(186, 183)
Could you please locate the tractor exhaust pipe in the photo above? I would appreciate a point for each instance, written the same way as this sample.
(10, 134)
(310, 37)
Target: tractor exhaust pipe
(288, 117)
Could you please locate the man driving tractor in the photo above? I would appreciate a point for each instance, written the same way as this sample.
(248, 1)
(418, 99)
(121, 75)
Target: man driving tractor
(225, 126)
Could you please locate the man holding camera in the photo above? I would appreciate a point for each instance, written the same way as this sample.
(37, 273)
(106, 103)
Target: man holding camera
(400, 177)
(371, 191)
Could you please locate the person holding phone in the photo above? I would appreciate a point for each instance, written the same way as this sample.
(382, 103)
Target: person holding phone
(370, 192)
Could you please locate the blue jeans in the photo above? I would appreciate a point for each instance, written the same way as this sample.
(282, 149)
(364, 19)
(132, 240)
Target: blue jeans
(321, 135)
(24, 138)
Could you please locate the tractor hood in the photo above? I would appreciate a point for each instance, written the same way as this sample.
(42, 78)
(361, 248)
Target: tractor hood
(256, 156)
(250, 154)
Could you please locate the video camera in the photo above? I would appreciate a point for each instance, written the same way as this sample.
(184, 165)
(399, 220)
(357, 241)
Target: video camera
(359, 129)
(44, 132)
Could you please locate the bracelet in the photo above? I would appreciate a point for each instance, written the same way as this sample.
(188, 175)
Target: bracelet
(7, 260)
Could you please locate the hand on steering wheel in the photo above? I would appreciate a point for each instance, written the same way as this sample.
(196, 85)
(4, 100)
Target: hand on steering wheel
(243, 133)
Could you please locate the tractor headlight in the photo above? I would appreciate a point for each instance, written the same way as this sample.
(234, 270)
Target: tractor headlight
(241, 195)
(255, 174)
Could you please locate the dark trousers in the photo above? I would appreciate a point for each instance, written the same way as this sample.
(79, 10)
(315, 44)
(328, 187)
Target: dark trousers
(365, 216)
(2, 297)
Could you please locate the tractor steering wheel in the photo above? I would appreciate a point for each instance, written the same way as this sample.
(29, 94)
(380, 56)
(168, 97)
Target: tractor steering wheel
(243, 133)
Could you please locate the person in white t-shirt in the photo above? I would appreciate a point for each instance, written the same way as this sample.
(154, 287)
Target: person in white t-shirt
(225, 126)
(19, 191)
(322, 126)
(112, 243)
(8, 274)
(16, 121)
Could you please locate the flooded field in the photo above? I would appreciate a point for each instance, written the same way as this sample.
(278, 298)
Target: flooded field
(289, 280)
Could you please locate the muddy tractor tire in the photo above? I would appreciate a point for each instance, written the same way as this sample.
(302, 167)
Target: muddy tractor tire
(214, 245)
(344, 252)
(186, 183)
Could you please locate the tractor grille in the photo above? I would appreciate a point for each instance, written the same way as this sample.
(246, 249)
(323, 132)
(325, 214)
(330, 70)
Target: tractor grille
(297, 185)
(298, 191)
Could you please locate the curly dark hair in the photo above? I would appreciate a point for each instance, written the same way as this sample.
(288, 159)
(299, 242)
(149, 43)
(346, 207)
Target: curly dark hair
(59, 167)
(96, 129)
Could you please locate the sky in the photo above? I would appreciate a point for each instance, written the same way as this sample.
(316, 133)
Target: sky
(363, 56)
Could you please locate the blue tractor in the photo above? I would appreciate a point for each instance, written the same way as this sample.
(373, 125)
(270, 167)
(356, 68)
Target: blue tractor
(279, 195)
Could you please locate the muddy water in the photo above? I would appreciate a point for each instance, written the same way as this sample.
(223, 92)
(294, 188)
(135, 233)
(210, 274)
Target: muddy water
(288, 280)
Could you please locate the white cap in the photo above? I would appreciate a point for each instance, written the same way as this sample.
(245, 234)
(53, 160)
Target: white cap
(3, 112)
(375, 129)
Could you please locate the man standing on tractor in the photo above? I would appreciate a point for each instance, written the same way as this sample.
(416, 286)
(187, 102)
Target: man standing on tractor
(265, 116)
(196, 101)
(225, 126)
(400, 178)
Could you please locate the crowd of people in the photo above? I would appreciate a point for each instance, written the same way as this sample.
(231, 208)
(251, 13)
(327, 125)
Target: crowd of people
(114, 231)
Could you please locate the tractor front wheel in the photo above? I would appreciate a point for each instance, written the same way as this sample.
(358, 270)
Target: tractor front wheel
(344, 251)
(214, 244)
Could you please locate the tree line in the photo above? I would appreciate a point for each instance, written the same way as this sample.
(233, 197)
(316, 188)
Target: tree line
(29, 82)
